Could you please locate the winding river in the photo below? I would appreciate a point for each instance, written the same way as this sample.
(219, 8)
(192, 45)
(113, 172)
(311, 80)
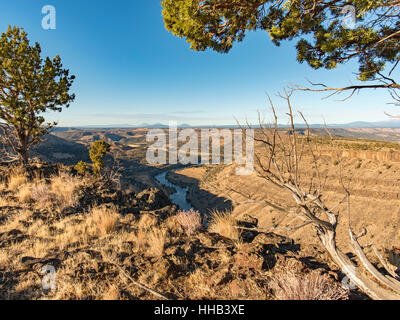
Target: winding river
(179, 197)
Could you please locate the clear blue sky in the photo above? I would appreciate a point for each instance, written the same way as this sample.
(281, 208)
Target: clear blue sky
(130, 70)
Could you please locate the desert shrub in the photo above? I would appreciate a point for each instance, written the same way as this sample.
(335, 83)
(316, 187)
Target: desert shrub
(104, 219)
(190, 221)
(290, 285)
(40, 192)
(224, 224)
(82, 167)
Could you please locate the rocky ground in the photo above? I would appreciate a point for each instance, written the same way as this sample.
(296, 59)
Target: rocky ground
(107, 244)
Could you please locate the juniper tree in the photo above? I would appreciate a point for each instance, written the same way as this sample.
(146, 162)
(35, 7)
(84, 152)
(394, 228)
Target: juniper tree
(323, 41)
(81, 167)
(97, 152)
(29, 87)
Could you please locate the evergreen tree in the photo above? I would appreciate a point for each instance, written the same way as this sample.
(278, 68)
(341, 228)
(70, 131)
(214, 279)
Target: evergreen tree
(29, 87)
(97, 152)
(325, 38)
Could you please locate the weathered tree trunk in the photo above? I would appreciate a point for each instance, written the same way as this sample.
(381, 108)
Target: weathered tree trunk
(23, 158)
(281, 167)
(364, 283)
(23, 149)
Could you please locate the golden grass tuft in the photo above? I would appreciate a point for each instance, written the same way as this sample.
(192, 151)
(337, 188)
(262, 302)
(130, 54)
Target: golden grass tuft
(198, 281)
(157, 239)
(151, 241)
(61, 190)
(24, 193)
(64, 186)
(147, 221)
(104, 219)
(16, 179)
(290, 285)
(40, 192)
(112, 293)
(224, 224)
(4, 202)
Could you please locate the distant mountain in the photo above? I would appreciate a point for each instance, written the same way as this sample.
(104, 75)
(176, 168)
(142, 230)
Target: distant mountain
(392, 123)
(357, 124)
(395, 123)
(153, 126)
(122, 126)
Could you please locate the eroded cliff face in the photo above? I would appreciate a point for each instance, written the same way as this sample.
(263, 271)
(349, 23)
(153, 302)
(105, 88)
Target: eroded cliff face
(372, 177)
(364, 154)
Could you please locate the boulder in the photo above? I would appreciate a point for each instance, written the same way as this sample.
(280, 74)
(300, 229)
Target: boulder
(153, 199)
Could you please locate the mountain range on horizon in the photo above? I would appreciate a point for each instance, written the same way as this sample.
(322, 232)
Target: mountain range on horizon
(391, 123)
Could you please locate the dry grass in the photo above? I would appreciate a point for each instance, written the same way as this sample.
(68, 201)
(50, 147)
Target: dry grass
(112, 293)
(105, 219)
(3, 185)
(190, 221)
(40, 193)
(24, 193)
(16, 179)
(64, 186)
(83, 241)
(157, 239)
(147, 221)
(60, 191)
(311, 286)
(151, 242)
(224, 224)
(198, 280)
(4, 202)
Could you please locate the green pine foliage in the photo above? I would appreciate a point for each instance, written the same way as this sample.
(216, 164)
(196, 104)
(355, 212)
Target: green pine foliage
(82, 167)
(322, 41)
(29, 87)
(98, 151)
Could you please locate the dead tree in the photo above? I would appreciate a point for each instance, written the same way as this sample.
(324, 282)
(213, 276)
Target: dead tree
(279, 164)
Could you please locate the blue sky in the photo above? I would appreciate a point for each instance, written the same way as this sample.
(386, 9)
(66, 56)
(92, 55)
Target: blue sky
(130, 70)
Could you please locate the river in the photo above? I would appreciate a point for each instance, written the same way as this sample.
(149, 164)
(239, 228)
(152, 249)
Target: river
(179, 197)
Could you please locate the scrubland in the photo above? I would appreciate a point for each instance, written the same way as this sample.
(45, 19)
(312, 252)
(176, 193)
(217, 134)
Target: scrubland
(105, 243)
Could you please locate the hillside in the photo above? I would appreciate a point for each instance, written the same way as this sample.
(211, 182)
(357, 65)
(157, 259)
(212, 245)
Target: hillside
(370, 177)
(105, 244)
(129, 241)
